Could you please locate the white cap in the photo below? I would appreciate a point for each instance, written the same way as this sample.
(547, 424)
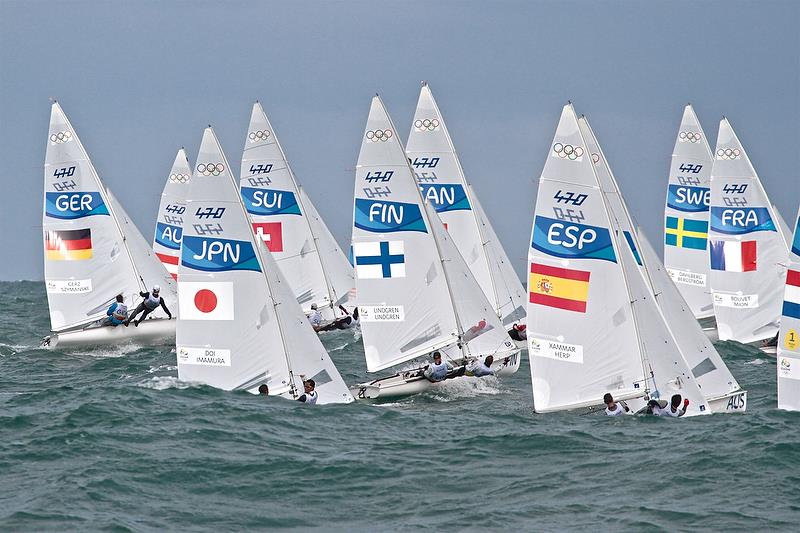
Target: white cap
(156, 288)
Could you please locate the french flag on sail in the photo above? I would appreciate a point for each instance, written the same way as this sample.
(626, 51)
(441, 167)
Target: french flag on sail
(791, 298)
(733, 256)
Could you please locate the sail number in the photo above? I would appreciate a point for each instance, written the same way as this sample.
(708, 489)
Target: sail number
(570, 197)
(734, 189)
(688, 168)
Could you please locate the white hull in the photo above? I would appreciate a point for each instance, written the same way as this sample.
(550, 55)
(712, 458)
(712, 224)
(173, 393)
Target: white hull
(734, 402)
(412, 381)
(153, 332)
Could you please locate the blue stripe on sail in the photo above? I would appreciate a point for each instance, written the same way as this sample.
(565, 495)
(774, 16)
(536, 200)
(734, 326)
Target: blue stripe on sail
(791, 309)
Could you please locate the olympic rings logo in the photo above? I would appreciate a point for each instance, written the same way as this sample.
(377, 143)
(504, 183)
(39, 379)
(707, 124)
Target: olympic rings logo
(260, 135)
(689, 136)
(728, 153)
(61, 137)
(178, 178)
(379, 135)
(426, 124)
(595, 157)
(211, 169)
(567, 151)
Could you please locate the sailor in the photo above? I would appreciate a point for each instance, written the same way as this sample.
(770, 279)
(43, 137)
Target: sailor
(478, 368)
(310, 395)
(263, 390)
(662, 409)
(614, 408)
(315, 318)
(151, 301)
(346, 322)
(117, 313)
(517, 332)
(438, 370)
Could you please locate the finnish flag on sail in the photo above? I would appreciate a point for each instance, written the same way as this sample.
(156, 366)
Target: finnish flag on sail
(384, 259)
(733, 256)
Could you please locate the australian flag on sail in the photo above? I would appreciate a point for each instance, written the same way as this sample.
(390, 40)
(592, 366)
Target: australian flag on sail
(169, 236)
(384, 259)
(211, 254)
(445, 196)
(72, 205)
(791, 299)
(269, 202)
(381, 216)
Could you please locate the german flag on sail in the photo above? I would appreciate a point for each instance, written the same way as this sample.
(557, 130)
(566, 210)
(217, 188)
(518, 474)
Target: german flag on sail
(559, 287)
(68, 245)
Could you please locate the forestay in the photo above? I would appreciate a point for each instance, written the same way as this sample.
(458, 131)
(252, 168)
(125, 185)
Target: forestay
(747, 251)
(788, 339)
(240, 326)
(87, 258)
(582, 337)
(171, 210)
(686, 215)
(674, 320)
(443, 184)
(290, 226)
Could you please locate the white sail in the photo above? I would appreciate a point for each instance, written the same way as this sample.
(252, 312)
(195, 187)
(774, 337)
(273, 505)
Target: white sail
(443, 184)
(789, 335)
(87, 261)
(403, 297)
(171, 210)
(747, 251)
(237, 317)
(281, 213)
(686, 215)
(582, 336)
(690, 348)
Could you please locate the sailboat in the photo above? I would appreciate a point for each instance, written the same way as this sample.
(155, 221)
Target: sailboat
(748, 251)
(788, 350)
(441, 179)
(169, 224)
(686, 215)
(286, 219)
(240, 325)
(93, 251)
(593, 323)
(717, 384)
(415, 292)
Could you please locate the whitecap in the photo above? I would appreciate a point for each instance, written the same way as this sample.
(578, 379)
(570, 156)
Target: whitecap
(164, 383)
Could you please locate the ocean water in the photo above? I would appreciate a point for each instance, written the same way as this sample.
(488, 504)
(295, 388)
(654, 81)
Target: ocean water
(111, 440)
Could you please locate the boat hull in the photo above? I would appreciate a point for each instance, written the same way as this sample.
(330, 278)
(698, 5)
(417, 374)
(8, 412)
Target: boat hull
(734, 402)
(152, 332)
(409, 382)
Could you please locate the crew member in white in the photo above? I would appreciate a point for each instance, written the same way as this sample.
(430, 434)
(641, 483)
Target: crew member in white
(315, 317)
(656, 408)
(438, 369)
(614, 408)
(150, 303)
(310, 395)
(478, 368)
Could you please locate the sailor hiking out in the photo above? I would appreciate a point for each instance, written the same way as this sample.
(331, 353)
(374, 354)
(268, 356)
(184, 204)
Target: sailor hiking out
(117, 313)
(614, 408)
(150, 303)
(661, 408)
(479, 368)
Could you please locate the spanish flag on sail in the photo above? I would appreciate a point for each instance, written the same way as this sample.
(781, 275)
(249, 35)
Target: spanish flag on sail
(559, 287)
(68, 245)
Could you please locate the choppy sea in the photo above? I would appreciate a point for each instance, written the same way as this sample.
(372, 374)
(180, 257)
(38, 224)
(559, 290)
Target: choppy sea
(111, 440)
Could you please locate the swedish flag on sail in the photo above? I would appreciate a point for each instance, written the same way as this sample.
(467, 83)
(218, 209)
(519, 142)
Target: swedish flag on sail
(686, 233)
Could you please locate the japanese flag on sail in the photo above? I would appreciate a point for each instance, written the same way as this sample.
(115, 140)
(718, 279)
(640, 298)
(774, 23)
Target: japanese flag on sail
(271, 233)
(733, 256)
(201, 300)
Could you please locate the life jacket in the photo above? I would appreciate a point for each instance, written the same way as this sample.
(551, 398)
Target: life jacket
(311, 397)
(438, 372)
(120, 312)
(151, 302)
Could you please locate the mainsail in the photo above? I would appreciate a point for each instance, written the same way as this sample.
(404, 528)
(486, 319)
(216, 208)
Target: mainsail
(240, 324)
(92, 249)
(443, 185)
(748, 252)
(415, 292)
(289, 224)
(789, 335)
(686, 215)
(693, 349)
(169, 224)
(594, 326)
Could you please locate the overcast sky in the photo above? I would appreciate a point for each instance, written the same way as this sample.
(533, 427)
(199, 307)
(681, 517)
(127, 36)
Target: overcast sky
(139, 80)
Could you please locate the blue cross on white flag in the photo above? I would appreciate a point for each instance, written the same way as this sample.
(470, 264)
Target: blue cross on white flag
(384, 259)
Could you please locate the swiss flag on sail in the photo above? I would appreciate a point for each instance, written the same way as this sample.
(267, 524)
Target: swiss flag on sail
(271, 233)
(200, 300)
